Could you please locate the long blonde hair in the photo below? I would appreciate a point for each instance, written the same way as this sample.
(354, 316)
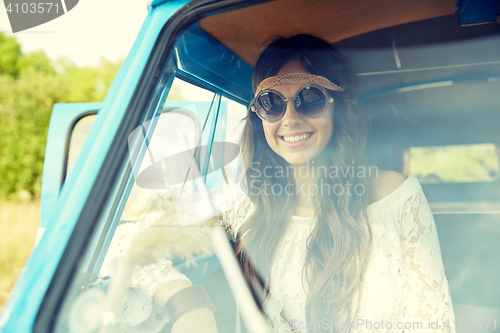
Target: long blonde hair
(338, 247)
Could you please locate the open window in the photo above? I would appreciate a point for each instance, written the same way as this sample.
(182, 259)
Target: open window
(187, 148)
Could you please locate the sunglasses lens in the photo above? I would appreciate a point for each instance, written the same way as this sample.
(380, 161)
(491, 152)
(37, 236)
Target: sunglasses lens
(270, 106)
(311, 102)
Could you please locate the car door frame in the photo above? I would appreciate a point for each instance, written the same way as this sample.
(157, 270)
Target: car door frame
(82, 200)
(63, 119)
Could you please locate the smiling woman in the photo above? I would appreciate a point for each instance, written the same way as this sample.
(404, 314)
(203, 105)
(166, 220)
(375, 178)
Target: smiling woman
(329, 245)
(321, 251)
(323, 244)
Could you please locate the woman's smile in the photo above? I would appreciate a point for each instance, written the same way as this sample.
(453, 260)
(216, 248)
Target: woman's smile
(296, 139)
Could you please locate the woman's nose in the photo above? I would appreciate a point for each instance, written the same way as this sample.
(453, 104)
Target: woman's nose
(291, 116)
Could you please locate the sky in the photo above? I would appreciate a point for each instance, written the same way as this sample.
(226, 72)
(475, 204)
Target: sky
(95, 29)
(91, 30)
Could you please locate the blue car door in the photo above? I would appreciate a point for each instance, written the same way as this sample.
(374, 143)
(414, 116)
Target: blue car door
(69, 127)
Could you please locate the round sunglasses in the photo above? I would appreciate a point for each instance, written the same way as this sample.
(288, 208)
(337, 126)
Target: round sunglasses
(310, 101)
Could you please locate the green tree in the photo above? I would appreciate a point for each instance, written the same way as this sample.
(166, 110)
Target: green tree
(35, 62)
(26, 104)
(10, 52)
(87, 84)
(29, 87)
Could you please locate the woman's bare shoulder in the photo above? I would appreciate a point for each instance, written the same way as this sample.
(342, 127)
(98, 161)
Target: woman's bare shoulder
(383, 183)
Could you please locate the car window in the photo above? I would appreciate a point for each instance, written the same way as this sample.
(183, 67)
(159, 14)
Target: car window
(454, 163)
(77, 138)
(188, 107)
(189, 117)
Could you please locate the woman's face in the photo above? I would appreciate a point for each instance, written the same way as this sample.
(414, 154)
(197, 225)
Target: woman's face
(318, 129)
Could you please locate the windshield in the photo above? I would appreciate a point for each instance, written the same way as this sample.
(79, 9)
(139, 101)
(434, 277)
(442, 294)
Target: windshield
(355, 181)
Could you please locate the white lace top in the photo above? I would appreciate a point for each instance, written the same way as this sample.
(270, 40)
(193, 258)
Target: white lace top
(405, 288)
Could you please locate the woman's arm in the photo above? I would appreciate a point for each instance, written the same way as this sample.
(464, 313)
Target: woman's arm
(428, 304)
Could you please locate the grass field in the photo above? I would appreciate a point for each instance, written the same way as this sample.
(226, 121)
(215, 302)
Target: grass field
(18, 226)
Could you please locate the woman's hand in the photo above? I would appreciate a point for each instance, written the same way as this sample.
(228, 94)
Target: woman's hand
(197, 320)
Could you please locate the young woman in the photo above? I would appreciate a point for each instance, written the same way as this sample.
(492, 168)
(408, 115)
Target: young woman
(327, 242)
(346, 243)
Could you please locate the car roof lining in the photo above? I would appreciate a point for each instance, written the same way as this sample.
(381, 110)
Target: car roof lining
(246, 31)
(429, 43)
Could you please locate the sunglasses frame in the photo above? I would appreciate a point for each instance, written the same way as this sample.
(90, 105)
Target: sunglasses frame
(328, 100)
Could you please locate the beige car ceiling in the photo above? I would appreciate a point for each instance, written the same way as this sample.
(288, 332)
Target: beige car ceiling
(245, 31)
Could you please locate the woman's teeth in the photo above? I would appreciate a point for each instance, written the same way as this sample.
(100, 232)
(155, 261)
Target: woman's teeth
(296, 138)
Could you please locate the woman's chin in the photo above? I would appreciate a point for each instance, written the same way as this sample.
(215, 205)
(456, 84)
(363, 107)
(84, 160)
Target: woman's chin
(297, 162)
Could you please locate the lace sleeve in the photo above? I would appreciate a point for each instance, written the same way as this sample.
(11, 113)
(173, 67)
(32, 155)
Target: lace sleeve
(140, 312)
(233, 214)
(428, 300)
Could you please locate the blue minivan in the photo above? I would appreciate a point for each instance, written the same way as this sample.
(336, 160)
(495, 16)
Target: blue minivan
(429, 76)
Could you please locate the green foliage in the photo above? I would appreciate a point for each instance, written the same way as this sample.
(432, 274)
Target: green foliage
(35, 62)
(457, 163)
(87, 84)
(29, 87)
(10, 52)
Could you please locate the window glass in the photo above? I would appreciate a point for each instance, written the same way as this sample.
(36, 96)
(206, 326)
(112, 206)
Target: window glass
(184, 167)
(190, 104)
(78, 136)
(166, 189)
(454, 163)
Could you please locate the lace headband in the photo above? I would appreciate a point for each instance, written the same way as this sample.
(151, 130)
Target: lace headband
(296, 78)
